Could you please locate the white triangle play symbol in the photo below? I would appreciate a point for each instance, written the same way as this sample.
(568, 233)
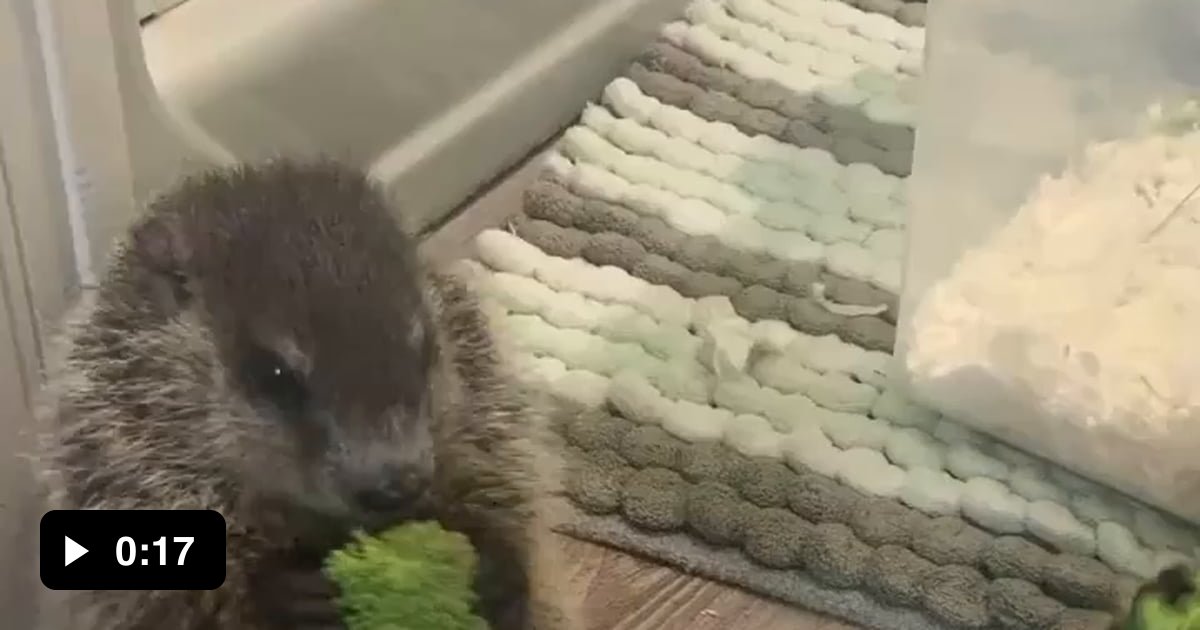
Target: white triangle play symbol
(73, 551)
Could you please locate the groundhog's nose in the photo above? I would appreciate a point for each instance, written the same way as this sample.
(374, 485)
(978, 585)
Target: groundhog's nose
(394, 490)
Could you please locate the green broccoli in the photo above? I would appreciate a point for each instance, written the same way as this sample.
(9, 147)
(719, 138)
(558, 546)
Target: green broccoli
(416, 576)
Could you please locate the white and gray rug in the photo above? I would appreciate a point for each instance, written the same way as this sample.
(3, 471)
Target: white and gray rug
(708, 269)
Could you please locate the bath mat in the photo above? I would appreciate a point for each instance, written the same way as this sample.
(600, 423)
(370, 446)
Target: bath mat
(707, 272)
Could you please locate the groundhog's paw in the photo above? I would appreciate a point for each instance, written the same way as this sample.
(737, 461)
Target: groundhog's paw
(1175, 583)
(502, 586)
(304, 599)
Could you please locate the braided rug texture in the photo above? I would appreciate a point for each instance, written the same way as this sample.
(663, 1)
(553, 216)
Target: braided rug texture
(707, 271)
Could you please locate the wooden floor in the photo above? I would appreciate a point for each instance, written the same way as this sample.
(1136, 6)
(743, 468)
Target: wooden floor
(619, 591)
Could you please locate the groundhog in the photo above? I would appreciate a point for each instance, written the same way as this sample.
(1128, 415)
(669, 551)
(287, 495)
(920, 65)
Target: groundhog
(266, 343)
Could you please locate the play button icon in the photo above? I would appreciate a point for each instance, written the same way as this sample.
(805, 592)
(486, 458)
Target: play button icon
(73, 551)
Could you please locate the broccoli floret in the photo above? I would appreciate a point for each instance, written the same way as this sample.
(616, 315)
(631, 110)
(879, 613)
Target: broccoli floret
(416, 576)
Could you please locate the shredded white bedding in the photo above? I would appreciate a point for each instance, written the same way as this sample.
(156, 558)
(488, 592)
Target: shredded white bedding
(1088, 302)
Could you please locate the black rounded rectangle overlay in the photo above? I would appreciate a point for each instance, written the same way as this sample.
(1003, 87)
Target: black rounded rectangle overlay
(132, 549)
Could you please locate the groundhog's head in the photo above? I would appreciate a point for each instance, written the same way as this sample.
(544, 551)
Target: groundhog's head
(289, 320)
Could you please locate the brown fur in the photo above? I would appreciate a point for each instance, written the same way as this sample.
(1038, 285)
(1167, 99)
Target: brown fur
(303, 262)
(516, 510)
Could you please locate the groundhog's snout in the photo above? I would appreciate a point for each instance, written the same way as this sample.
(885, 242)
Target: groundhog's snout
(382, 468)
(387, 481)
(390, 489)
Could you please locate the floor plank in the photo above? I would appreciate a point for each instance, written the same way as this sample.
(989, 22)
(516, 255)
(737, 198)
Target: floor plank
(623, 592)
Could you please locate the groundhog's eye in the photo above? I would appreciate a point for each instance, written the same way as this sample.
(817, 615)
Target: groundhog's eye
(270, 378)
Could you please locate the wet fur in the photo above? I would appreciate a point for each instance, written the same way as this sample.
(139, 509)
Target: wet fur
(144, 413)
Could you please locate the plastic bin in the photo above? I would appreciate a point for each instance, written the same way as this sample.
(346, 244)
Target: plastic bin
(1048, 300)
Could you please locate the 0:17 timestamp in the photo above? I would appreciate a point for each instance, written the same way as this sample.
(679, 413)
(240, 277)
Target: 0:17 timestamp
(127, 550)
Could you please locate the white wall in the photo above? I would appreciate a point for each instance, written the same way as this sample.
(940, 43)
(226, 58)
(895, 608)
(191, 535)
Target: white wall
(37, 280)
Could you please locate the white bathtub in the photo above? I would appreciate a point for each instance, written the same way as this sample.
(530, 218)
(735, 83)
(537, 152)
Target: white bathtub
(435, 97)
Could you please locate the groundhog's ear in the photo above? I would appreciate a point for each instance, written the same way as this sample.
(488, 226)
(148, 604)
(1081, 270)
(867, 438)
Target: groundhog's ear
(158, 243)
